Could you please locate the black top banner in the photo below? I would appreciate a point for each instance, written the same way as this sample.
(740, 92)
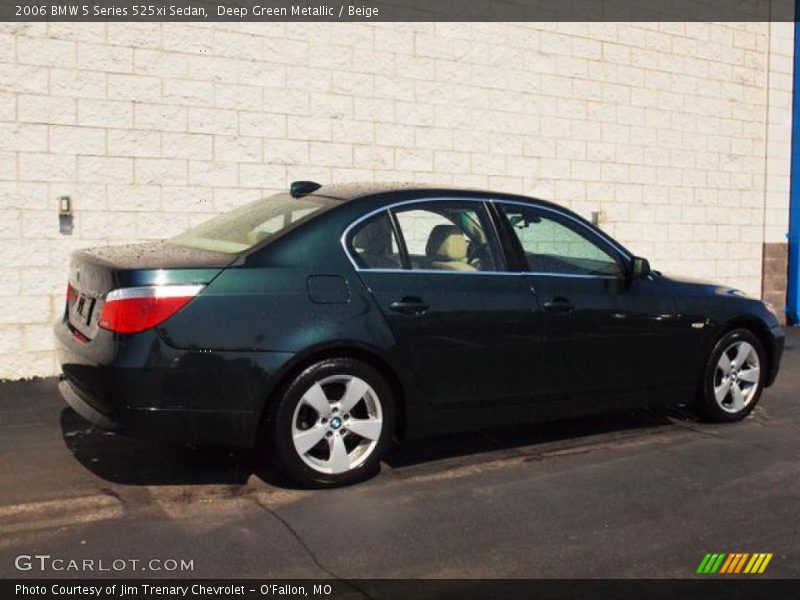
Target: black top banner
(396, 10)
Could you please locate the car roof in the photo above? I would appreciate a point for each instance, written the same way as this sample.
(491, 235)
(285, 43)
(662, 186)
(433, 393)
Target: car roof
(346, 192)
(348, 202)
(388, 193)
(355, 190)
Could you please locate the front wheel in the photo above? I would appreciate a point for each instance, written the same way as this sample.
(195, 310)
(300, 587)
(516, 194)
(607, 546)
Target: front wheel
(334, 423)
(734, 377)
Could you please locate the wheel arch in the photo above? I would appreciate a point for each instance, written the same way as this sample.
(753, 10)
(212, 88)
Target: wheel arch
(754, 326)
(350, 349)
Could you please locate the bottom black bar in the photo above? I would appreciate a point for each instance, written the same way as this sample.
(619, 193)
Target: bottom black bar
(731, 588)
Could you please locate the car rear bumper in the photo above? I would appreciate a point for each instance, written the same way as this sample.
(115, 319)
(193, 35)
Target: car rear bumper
(205, 427)
(139, 385)
(78, 402)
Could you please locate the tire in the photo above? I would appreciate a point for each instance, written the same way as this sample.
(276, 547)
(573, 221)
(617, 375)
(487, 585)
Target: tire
(320, 442)
(732, 385)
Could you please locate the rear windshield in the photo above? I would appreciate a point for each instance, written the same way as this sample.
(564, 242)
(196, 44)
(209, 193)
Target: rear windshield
(243, 228)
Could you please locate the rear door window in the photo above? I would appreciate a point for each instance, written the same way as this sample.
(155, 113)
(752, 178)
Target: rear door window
(448, 236)
(373, 244)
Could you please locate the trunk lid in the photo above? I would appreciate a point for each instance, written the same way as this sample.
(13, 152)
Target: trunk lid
(96, 271)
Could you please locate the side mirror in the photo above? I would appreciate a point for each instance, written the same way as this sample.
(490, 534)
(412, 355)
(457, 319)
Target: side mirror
(640, 268)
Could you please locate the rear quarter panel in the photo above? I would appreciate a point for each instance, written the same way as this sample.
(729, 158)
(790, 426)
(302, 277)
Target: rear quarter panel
(269, 309)
(297, 296)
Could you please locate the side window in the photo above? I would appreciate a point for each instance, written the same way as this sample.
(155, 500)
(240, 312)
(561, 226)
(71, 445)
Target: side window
(373, 244)
(557, 245)
(448, 236)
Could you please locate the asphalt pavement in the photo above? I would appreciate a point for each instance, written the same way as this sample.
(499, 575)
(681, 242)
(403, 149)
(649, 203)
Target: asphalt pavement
(637, 495)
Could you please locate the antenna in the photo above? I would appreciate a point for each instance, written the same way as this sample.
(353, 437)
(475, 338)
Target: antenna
(301, 188)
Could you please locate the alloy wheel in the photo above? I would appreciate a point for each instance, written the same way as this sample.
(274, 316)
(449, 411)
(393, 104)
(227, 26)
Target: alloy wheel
(737, 377)
(337, 424)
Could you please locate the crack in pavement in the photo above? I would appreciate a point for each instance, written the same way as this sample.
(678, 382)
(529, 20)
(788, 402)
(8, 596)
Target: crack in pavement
(309, 550)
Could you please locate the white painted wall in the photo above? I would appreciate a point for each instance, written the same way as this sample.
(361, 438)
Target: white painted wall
(678, 131)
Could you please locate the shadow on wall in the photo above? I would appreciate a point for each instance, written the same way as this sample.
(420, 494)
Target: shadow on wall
(130, 461)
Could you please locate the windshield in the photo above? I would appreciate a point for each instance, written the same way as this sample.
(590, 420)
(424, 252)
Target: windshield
(243, 228)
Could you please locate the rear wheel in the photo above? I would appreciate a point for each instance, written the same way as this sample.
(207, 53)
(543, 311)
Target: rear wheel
(734, 377)
(333, 424)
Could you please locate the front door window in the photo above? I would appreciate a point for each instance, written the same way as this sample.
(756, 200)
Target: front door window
(556, 245)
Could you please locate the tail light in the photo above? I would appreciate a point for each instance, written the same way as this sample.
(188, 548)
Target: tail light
(130, 310)
(70, 293)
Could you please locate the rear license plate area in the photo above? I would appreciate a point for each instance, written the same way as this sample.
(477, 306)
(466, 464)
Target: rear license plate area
(82, 309)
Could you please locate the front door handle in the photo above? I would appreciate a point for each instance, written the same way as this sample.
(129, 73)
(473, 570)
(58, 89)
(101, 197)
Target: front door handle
(409, 305)
(559, 304)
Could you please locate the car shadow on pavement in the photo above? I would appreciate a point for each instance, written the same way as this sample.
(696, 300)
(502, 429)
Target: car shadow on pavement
(130, 461)
(126, 460)
(533, 436)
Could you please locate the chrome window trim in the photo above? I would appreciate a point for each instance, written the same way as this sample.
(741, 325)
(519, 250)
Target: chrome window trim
(512, 273)
(485, 203)
(445, 271)
(389, 207)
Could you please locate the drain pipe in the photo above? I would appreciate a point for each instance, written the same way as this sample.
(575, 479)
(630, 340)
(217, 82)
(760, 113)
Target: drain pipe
(793, 300)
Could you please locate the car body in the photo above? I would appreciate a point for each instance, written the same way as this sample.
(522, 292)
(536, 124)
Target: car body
(481, 309)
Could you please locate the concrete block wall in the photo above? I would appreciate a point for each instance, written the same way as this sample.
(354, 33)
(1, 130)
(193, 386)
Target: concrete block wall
(676, 131)
(775, 252)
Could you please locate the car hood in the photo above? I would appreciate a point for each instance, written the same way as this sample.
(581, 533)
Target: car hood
(697, 287)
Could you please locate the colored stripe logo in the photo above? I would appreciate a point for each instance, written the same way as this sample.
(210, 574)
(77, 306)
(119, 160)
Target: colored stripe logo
(736, 562)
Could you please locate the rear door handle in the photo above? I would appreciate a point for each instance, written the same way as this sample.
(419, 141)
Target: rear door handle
(409, 306)
(559, 304)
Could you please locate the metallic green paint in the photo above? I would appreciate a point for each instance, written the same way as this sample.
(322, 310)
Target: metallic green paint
(486, 352)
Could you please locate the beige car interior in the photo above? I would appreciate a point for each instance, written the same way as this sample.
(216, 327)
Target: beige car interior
(447, 249)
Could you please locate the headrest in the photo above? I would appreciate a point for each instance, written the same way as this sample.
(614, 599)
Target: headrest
(446, 242)
(374, 238)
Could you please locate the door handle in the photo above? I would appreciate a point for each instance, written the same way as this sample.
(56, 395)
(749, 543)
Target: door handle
(409, 305)
(559, 304)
